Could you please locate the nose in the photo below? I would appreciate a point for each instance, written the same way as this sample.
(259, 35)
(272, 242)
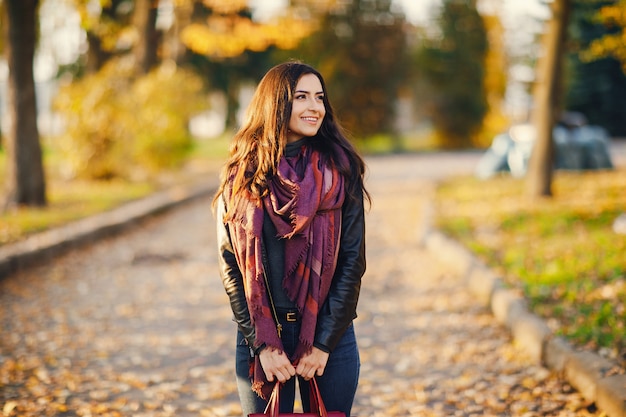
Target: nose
(316, 104)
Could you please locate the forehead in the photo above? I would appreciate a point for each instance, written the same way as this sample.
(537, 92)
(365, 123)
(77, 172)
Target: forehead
(309, 83)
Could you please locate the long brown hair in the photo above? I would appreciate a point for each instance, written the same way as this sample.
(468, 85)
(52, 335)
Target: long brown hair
(260, 142)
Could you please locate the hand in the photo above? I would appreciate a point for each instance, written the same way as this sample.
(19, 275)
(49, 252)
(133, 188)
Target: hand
(276, 364)
(312, 364)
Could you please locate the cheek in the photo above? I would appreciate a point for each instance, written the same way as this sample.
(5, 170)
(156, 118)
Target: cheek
(293, 119)
(296, 111)
(297, 107)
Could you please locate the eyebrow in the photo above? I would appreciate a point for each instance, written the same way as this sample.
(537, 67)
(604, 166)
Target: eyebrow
(307, 92)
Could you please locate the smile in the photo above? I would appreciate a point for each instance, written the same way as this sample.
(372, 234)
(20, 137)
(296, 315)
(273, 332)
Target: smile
(310, 119)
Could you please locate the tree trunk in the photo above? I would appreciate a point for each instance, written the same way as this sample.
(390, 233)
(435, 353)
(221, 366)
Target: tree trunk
(232, 102)
(25, 179)
(173, 47)
(147, 46)
(547, 103)
(97, 55)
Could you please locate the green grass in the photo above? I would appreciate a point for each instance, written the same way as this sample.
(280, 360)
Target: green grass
(70, 200)
(561, 251)
(386, 144)
(215, 149)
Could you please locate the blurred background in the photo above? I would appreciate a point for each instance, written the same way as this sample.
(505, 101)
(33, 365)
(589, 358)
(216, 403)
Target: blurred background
(129, 89)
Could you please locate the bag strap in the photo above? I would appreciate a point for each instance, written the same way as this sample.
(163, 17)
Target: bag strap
(317, 405)
(273, 405)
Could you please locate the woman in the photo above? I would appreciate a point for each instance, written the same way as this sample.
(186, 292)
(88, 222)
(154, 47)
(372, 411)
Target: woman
(291, 239)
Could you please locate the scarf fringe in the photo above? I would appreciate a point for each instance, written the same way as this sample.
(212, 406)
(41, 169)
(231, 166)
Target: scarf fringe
(303, 348)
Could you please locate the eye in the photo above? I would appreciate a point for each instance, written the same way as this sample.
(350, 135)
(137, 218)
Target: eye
(300, 96)
(320, 97)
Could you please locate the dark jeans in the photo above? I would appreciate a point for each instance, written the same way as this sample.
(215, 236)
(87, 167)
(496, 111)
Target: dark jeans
(337, 385)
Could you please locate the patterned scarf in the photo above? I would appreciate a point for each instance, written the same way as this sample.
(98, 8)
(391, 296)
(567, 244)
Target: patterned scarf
(304, 203)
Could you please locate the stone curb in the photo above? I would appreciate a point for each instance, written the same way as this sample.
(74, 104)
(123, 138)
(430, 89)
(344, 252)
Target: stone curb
(588, 372)
(45, 245)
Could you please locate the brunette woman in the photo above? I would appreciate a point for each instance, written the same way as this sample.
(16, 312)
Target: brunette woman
(291, 239)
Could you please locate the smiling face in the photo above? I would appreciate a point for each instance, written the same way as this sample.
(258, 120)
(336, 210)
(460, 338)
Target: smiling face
(307, 111)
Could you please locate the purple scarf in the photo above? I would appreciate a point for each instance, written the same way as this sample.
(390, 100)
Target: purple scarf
(304, 203)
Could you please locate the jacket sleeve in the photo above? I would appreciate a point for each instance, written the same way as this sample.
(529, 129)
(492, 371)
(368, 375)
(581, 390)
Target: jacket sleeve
(232, 277)
(339, 309)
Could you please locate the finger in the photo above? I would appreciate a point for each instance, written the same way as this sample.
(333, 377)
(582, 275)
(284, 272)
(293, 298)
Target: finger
(306, 372)
(283, 376)
(287, 368)
(300, 369)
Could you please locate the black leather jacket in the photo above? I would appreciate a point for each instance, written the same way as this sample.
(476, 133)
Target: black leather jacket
(339, 309)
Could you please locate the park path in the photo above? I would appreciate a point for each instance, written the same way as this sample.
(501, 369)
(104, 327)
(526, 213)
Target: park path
(139, 325)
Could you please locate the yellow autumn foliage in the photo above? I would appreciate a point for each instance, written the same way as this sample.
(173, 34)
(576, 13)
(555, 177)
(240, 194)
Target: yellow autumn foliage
(614, 14)
(614, 44)
(495, 120)
(227, 35)
(226, 7)
(321, 6)
(107, 30)
(119, 126)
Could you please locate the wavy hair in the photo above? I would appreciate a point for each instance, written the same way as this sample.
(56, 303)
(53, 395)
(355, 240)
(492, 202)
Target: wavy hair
(259, 144)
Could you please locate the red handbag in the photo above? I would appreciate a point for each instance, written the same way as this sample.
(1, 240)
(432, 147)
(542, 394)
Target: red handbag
(317, 405)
